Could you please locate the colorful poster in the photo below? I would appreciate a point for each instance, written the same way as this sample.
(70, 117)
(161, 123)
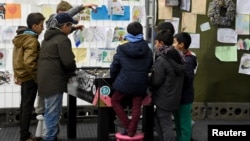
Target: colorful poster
(242, 24)
(124, 17)
(13, 11)
(117, 8)
(105, 55)
(119, 34)
(100, 14)
(78, 37)
(84, 15)
(138, 13)
(243, 44)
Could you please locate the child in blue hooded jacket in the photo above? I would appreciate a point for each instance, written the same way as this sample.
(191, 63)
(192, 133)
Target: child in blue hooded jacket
(129, 70)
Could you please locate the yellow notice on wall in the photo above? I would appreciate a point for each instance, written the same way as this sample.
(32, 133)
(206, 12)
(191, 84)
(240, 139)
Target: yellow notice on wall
(80, 54)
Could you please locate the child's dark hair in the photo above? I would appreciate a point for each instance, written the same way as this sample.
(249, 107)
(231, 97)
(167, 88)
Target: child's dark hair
(34, 18)
(165, 37)
(166, 26)
(185, 38)
(134, 28)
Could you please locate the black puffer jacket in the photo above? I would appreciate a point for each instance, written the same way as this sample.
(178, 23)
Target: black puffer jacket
(56, 63)
(167, 80)
(130, 67)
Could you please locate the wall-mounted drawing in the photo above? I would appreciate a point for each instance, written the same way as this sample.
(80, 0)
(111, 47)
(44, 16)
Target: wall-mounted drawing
(2, 10)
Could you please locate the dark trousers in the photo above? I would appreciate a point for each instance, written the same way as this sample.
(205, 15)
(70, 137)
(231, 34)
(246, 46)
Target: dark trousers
(164, 125)
(28, 96)
(130, 125)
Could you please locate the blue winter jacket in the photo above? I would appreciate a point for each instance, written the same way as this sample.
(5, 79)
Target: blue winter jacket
(130, 67)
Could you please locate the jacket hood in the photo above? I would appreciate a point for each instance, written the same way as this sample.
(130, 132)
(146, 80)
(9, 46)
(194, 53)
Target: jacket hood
(51, 33)
(21, 29)
(175, 60)
(135, 49)
(24, 33)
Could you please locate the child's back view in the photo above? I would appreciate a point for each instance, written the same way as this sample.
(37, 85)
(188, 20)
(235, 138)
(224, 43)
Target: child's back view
(129, 70)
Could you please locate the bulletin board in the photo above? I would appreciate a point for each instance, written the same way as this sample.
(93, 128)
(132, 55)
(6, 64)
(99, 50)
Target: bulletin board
(104, 30)
(94, 46)
(217, 80)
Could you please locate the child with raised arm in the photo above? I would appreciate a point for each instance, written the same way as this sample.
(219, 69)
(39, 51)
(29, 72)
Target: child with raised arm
(66, 7)
(62, 7)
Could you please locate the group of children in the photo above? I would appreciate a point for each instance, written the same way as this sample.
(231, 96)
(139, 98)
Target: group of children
(45, 69)
(171, 80)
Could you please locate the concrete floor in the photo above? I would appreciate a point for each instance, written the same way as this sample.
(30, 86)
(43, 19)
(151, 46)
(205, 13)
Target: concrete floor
(88, 131)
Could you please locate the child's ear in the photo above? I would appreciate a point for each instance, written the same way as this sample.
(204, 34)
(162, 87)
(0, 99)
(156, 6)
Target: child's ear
(182, 45)
(162, 43)
(33, 26)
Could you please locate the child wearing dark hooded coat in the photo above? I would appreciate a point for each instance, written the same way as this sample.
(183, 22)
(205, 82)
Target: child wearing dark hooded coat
(166, 83)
